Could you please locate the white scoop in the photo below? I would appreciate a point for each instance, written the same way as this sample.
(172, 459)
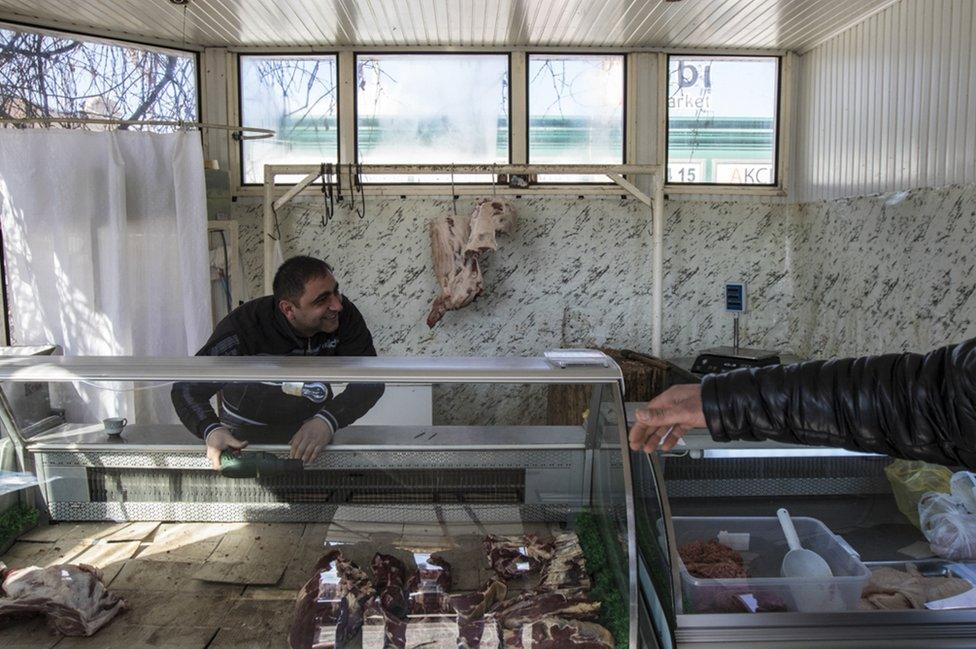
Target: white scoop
(806, 566)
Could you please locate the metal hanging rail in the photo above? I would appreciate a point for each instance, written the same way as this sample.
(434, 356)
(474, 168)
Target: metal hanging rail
(614, 172)
(239, 131)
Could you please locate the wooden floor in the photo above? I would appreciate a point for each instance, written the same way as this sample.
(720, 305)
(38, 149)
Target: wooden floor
(202, 585)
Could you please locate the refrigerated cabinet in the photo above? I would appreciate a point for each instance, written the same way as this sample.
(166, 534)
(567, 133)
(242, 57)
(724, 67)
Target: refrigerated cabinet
(843, 507)
(491, 466)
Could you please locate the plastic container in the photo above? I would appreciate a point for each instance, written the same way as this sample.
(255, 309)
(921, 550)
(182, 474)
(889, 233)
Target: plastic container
(765, 590)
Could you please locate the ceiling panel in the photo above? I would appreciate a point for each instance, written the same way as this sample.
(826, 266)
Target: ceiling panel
(778, 24)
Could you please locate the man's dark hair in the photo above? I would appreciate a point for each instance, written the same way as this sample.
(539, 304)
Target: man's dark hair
(289, 280)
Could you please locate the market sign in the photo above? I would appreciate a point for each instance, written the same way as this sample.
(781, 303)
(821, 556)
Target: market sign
(690, 88)
(744, 173)
(686, 172)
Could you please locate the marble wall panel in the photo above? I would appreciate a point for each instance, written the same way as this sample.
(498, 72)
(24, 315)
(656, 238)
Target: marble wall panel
(887, 273)
(844, 277)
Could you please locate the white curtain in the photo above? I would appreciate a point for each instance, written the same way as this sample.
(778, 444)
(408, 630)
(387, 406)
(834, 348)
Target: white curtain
(105, 242)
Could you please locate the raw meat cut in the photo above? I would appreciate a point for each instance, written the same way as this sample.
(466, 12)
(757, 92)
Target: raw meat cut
(557, 633)
(337, 594)
(459, 275)
(567, 567)
(73, 597)
(712, 560)
(428, 588)
(890, 589)
(490, 217)
(530, 606)
(390, 577)
(471, 609)
(514, 556)
(457, 246)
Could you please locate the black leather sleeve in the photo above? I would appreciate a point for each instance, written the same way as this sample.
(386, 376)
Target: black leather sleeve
(192, 400)
(906, 405)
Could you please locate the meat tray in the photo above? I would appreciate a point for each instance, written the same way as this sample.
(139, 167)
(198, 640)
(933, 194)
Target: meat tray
(765, 590)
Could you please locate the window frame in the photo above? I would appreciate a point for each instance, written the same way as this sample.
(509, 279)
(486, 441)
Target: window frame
(624, 126)
(645, 121)
(781, 122)
(355, 103)
(238, 76)
(193, 52)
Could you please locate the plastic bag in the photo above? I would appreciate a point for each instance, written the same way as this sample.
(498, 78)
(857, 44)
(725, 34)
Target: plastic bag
(963, 488)
(949, 528)
(911, 479)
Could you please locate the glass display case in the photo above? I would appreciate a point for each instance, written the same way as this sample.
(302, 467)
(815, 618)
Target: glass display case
(722, 549)
(475, 530)
(488, 526)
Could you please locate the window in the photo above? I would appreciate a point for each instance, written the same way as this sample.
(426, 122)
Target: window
(576, 111)
(431, 108)
(722, 113)
(297, 96)
(58, 75)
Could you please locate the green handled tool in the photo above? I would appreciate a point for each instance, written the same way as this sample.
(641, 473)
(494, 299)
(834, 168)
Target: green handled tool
(254, 464)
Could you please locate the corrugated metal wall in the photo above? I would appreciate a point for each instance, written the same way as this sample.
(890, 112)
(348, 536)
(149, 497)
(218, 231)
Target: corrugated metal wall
(890, 104)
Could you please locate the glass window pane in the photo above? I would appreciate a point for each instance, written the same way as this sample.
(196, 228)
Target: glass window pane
(722, 120)
(297, 97)
(432, 108)
(576, 111)
(56, 75)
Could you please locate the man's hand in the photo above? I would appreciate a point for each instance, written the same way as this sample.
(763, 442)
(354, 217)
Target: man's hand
(314, 435)
(667, 418)
(219, 440)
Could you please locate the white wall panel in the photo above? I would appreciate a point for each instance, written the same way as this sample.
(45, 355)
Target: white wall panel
(890, 104)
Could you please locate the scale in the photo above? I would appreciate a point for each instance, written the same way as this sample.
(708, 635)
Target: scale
(725, 359)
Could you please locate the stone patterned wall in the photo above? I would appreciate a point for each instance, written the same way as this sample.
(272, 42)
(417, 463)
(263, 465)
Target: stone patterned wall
(844, 277)
(887, 273)
(576, 273)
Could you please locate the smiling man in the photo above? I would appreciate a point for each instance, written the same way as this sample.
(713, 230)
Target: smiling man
(306, 316)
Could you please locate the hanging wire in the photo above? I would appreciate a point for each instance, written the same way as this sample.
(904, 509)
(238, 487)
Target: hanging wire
(325, 172)
(236, 131)
(359, 180)
(453, 193)
(494, 180)
(226, 282)
(338, 182)
(356, 186)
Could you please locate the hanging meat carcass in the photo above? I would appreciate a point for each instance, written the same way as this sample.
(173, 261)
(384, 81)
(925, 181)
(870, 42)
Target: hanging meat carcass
(73, 597)
(458, 275)
(457, 245)
(490, 217)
